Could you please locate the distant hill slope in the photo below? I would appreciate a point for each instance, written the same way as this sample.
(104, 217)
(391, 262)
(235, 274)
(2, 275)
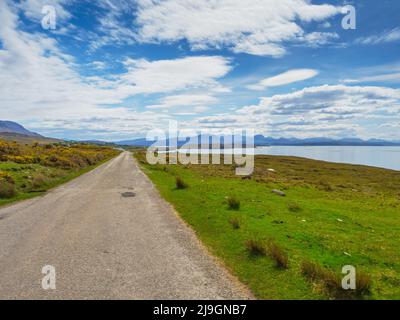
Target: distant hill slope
(13, 131)
(13, 127)
(22, 138)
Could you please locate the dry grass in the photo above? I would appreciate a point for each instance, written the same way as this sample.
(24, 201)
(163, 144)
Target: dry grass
(294, 207)
(39, 180)
(256, 247)
(233, 203)
(363, 284)
(333, 284)
(235, 223)
(278, 254)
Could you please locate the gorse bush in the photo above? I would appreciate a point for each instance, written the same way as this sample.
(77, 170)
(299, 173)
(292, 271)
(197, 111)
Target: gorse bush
(233, 203)
(55, 155)
(33, 167)
(6, 177)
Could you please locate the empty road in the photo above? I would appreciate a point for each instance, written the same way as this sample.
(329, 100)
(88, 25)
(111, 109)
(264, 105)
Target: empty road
(108, 235)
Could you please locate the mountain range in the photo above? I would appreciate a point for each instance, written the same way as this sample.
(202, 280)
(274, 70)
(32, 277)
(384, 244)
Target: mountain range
(260, 140)
(14, 131)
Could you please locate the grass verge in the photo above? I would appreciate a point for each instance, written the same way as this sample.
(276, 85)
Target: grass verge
(332, 214)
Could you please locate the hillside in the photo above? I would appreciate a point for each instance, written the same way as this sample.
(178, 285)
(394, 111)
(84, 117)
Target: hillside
(12, 131)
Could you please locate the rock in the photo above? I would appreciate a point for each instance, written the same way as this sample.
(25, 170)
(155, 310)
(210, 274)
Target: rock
(279, 192)
(271, 170)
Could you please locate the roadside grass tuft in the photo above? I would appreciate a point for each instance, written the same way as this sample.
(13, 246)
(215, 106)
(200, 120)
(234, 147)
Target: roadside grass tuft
(233, 203)
(39, 180)
(278, 254)
(180, 184)
(294, 207)
(333, 284)
(256, 247)
(7, 190)
(363, 284)
(326, 186)
(235, 223)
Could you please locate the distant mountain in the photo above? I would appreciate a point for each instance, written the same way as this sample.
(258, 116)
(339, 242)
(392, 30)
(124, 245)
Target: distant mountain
(13, 131)
(141, 142)
(13, 127)
(260, 140)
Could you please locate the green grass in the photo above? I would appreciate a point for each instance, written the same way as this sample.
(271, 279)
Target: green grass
(23, 175)
(332, 214)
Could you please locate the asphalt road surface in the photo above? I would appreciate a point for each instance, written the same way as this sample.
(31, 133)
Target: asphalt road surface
(109, 235)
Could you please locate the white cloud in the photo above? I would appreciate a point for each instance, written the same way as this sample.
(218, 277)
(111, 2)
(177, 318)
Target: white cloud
(33, 8)
(317, 39)
(330, 111)
(389, 77)
(285, 78)
(257, 27)
(98, 65)
(111, 29)
(192, 102)
(145, 76)
(338, 99)
(385, 37)
(39, 83)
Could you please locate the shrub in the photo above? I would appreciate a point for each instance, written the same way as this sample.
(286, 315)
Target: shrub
(256, 247)
(279, 255)
(6, 177)
(7, 190)
(180, 184)
(233, 203)
(235, 223)
(39, 180)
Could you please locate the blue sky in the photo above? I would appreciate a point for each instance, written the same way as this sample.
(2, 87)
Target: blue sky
(115, 69)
